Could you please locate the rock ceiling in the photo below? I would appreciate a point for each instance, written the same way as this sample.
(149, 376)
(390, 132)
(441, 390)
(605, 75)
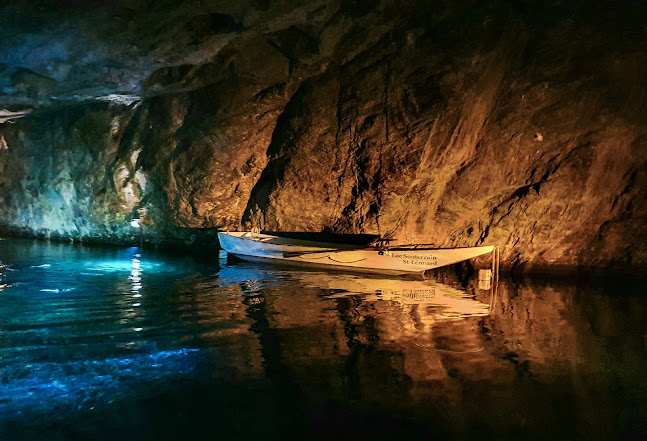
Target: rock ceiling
(64, 51)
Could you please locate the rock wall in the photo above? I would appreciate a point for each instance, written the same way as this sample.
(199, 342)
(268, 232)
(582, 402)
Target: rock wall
(452, 123)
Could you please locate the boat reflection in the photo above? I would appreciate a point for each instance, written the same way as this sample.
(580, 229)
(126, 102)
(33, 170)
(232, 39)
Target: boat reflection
(435, 350)
(410, 317)
(453, 303)
(402, 309)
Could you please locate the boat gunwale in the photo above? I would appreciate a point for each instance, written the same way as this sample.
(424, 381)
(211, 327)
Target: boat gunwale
(415, 248)
(335, 247)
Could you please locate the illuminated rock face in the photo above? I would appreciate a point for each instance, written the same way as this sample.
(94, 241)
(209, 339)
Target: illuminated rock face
(434, 123)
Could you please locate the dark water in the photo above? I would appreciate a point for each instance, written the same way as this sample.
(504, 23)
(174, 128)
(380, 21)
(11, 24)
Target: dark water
(127, 344)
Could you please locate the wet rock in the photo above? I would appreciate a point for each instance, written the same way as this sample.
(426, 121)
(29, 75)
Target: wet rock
(32, 83)
(448, 124)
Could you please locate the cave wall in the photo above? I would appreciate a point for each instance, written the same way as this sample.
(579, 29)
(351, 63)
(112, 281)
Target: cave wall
(55, 178)
(452, 123)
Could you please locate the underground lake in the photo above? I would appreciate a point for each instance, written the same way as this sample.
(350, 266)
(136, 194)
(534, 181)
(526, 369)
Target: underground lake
(131, 343)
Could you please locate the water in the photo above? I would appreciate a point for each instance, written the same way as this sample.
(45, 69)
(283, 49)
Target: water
(131, 344)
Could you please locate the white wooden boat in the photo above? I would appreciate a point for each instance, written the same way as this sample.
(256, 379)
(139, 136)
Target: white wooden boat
(258, 247)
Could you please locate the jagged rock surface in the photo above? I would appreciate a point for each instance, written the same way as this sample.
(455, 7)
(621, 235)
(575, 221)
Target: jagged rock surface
(446, 123)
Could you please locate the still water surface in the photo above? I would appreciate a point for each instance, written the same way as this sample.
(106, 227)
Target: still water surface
(120, 344)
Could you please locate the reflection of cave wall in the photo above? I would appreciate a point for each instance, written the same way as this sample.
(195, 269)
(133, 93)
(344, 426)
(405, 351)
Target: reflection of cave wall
(544, 352)
(515, 126)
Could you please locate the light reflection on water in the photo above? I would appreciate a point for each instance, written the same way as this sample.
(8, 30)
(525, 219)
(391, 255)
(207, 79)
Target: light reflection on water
(95, 343)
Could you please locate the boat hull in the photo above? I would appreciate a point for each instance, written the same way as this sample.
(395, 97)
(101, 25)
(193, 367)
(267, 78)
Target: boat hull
(273, 249)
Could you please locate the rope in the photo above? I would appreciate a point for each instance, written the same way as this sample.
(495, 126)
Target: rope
(341, 261)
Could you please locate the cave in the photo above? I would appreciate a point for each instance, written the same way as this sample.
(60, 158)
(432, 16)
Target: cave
(448, 123)
(152, 125)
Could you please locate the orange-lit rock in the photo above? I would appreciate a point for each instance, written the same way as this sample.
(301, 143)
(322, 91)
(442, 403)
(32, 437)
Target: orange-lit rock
(451, 124)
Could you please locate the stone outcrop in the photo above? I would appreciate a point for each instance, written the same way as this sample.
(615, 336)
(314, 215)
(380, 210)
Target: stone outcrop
(435, 122)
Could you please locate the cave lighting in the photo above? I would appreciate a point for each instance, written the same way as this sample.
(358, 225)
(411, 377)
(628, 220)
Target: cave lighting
(135, 276)
(135, 223)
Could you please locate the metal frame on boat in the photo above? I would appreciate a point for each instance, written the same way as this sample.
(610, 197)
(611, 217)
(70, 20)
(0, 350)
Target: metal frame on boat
(258, 247)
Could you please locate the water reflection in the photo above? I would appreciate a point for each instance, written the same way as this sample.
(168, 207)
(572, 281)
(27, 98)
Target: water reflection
(83, 328)
(135, 275)
(90, 336)
(534, 360)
